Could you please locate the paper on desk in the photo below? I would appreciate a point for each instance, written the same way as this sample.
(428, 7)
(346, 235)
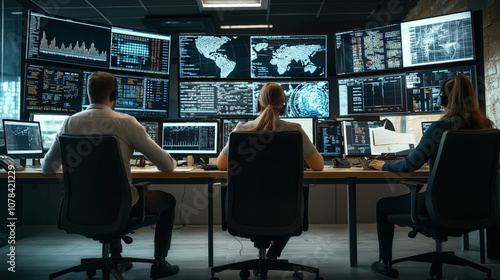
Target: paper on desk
(387, 141)
(183, 168)
(382, 136)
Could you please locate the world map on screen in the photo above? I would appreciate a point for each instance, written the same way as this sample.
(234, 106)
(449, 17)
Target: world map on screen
(286, 56)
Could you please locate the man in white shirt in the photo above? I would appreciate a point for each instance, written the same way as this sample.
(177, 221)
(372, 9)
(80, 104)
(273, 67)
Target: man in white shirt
(100, 118)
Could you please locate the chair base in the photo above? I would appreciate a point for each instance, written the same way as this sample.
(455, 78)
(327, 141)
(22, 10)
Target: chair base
(437, 259)
(107, 265)
(262, 266)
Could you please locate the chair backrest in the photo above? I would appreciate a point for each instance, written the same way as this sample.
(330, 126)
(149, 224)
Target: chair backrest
(97, 198)
(461, 188)
(265, 184)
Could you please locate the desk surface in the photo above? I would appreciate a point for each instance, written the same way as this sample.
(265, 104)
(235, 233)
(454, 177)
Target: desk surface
(152, 172)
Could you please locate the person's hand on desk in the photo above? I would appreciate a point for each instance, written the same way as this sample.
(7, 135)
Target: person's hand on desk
(377, 164)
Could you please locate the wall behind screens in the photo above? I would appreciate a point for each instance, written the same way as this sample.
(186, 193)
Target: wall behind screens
(400, 68)
(61, 53)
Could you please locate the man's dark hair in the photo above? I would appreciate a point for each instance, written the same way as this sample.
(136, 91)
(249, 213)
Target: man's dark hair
(99, 86)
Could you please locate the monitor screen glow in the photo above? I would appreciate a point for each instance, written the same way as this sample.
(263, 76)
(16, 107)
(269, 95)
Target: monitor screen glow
(23, 139)
(191, 137)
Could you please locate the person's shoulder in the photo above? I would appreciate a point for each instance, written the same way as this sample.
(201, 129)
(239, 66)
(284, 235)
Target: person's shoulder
(289, 125)
(243, 126)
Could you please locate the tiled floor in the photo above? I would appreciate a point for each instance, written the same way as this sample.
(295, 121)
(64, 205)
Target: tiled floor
(41, 250)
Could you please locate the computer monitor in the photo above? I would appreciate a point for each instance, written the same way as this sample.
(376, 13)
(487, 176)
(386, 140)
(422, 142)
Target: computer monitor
(23, 139)
(329, 138)
(307, 124)
(204, 56)
(139, 51)
(152, 129)
(212, 99)
(441, 39)
(423, 87)
(197, 138)
(425, 126)
(358, 138)
(371, 95)
(228, 125)
(304, 98)
(49, 125)
(143, 97)
(292, 56)
(67, 41)
(52, 89)
(371, 49)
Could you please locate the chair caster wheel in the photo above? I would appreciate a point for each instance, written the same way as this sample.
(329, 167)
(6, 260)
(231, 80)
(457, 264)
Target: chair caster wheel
(90, 273)
(244, 274)
(298, 276)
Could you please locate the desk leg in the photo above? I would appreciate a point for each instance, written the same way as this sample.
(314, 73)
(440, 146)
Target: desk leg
(351, 222)
(210, 224)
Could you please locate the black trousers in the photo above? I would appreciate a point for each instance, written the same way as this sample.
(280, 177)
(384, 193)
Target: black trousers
(162, 204)
(385, 229)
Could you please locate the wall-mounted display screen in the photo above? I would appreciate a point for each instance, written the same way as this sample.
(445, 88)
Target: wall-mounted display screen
(52, 89)
(304, 99)
(423, 87)
(368, 50)
(374, 94)
(214, 56)
(213, 99)
(288, 56)
(440, 39)
(67, 41)
(139, 51)
(138, 96)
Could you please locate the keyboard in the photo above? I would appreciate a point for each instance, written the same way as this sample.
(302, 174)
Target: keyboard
(365, 161)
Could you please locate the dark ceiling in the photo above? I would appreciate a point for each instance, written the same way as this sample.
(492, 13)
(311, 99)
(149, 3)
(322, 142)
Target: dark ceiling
(185, 16)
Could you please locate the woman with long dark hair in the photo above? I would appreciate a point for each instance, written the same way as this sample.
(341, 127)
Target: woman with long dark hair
(461, 111)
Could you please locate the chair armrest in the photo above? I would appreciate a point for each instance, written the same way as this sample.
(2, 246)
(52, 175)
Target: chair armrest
(223, 193)
(305, 222)
(414, 187)
(139, 208)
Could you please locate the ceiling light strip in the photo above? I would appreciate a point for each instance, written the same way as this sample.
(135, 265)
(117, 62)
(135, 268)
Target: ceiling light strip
(246, 26)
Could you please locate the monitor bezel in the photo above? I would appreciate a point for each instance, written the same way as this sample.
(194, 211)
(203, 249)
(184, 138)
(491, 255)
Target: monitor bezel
(396, 25)
(188, 78)
(33, 155)
(373, 75)
(344, 136)
(466, 60)
(217, 115)
(328, 156)
(204, 154)
(289, 77)
(24, 87)
(151, 34)
(429, 69)
(71, 20)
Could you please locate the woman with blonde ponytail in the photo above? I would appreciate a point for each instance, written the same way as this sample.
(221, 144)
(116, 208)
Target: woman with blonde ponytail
(272, 104)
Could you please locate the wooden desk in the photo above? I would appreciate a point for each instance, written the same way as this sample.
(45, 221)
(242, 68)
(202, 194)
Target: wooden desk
(348, 176)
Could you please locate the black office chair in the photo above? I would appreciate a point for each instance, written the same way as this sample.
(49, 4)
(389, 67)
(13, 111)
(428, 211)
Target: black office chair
(266, 197)
(97, 200)
(459, 197)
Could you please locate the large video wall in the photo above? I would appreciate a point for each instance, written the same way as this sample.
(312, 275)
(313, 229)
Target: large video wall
(393, 69)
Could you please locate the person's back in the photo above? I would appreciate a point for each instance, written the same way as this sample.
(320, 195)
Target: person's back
(101, 119)
(461, 111)
(272, 104)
